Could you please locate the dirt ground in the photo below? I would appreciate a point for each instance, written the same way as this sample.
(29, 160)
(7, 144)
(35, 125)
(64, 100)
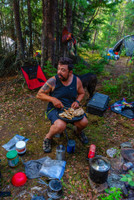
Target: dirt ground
(23, 114)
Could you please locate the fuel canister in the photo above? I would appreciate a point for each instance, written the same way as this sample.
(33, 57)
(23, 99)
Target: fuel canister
(91, 152)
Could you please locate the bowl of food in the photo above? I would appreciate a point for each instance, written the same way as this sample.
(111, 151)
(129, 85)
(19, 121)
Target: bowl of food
(70, 114)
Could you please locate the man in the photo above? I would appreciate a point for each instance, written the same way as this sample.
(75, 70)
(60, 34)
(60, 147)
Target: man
(62, 90)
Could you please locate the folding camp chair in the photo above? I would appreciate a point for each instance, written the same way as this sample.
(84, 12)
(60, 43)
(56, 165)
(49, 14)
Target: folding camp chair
(34, 76)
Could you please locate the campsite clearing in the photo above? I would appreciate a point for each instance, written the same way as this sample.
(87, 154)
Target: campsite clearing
(23, 114)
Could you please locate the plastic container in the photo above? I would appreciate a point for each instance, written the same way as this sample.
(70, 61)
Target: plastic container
(71, 146)
(21, 147)
(98, 104)
(13, 158)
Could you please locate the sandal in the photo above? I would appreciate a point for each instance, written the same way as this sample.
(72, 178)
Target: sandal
(47, 147)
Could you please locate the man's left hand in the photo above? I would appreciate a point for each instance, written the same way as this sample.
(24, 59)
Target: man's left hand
(75, 105)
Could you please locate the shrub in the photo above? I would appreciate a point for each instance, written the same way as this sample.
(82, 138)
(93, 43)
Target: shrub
(49, 70)
(129, 178)
(112, 194)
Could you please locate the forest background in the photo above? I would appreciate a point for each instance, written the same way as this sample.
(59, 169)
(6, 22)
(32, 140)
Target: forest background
(38, 24)
(97, 25)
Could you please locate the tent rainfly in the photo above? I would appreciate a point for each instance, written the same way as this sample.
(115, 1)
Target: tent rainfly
(128, 43)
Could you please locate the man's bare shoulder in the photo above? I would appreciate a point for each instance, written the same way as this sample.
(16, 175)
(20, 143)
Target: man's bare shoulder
(51, 81)
(78, 81)
(50, 84)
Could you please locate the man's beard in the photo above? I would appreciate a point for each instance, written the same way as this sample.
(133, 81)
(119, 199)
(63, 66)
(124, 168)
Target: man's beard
(63, 78)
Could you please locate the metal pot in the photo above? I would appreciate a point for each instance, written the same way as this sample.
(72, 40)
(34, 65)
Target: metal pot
(99, 168)
(55, 189)
(60, 152)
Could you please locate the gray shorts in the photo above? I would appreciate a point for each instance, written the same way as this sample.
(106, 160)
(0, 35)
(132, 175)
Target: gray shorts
(52, 116)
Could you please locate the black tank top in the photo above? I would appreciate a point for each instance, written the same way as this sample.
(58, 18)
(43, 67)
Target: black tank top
(66, 94)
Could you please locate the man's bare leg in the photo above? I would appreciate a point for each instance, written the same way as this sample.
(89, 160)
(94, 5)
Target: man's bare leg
(58, 127)
(81, 124)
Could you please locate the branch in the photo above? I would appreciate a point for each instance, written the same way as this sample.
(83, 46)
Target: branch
(92, 18)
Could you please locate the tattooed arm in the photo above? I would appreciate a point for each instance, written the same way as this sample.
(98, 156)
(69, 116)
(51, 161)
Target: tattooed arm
(43, 93)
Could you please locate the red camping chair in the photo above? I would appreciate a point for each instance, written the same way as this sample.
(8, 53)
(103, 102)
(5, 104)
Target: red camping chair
(34, 76)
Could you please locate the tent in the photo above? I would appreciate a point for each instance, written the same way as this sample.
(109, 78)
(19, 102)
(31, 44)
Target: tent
(7, 43)
(128, 43)
(34, 76)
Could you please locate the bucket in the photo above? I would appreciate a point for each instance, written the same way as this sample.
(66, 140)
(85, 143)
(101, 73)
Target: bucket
(60, 152)
(21, 147)
(99, 168)
(13, 158)
(71, 146)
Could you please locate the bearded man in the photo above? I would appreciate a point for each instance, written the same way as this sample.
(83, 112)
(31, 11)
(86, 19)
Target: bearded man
(62, 90)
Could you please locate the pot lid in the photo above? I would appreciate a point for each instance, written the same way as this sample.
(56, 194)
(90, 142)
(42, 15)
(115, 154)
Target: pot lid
(100, 164)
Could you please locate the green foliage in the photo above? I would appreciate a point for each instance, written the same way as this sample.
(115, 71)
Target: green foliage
(49, 70)
(89, 62)
(97, 66)
(80, 68)
(111, 88)
(112, 194)
(129, 178)
(123, 86)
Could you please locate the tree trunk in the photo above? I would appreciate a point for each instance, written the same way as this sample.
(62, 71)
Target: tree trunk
(69, 16)
(73, 15)
(46, 30)
(30, 29)
(50, 30)
(95, 34)
(58, 33)
(18, 29)
(43, 35)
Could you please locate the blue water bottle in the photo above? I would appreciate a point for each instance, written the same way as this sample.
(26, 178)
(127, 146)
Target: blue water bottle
(71, 146)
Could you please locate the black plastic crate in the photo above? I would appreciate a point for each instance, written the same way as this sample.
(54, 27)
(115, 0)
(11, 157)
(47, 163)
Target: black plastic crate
(98, 104)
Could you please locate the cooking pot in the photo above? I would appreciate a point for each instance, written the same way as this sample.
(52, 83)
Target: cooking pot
(55, 189)
(99, 168)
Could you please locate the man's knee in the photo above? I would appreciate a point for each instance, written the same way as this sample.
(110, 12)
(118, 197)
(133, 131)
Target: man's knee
(83, 123)
(60, 125)
(86, 122)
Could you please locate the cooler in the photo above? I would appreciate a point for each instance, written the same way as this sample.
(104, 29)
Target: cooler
(98, 104)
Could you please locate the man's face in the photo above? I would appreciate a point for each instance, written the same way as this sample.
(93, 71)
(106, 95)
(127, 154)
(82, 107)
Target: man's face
(63, 72)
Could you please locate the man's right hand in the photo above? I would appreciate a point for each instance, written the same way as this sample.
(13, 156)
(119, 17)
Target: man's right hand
(57, 103)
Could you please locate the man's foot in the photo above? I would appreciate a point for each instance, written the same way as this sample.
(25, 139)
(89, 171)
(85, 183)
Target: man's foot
(47, 145)
(83, 138)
